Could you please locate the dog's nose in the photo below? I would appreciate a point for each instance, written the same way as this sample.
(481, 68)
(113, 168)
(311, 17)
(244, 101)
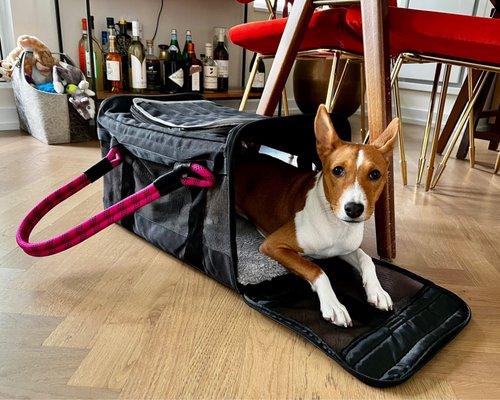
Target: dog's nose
(354, 210)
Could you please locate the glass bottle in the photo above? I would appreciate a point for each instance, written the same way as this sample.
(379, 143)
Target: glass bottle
(137, 61)
(189, 39)
(163, 58)
(82, 45)
(195, 71)
(96, 81)
(105, 51)
(209, 70)
(114, 67)
(152, 67)
(221, 57)
(173, 67)
(123, 41)
(260, 76)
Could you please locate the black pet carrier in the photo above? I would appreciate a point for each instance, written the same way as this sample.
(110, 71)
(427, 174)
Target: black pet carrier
(157, 136)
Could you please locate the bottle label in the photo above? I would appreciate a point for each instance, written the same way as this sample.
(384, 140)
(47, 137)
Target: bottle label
(210, 74)
(138, 72)
(178, 77)
(113, 70)
(195, 82)
(223, 68)
(87, 64)
(259, 81)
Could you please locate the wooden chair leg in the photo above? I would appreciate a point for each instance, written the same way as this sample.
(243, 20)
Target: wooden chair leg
(362, 109)
(293, 34)
(437, 128)
(428, 125)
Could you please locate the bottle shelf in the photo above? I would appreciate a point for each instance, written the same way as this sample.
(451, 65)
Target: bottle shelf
(231, 94)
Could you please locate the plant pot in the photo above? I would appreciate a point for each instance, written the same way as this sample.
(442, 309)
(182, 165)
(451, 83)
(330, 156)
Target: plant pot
(310, 84)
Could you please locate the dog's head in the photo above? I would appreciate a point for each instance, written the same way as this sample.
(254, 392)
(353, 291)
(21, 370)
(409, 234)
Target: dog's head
(353, 174)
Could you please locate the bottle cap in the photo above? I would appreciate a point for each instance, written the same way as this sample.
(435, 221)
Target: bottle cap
(173, 31)
(84, 24)
(122, 21)
(110, 22)
(135, 28)
(149, 42)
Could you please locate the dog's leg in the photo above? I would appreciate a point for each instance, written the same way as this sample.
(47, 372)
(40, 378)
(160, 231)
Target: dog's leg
(375, 294)
(282, 247)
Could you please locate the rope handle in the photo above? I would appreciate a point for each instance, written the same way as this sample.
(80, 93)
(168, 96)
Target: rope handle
(183, 174)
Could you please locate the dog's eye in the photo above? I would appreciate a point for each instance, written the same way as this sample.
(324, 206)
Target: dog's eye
(338, 171)
(374, 175)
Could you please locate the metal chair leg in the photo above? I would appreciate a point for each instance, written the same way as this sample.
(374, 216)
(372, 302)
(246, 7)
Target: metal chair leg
(396, 68)
(437, 128)
(428, 125)
(331, 81)
(339, 86)
(472, 147)
(284, 100)
(401, 140)
(362, 107)
(459, 127)
(251, 78)
(497, 163)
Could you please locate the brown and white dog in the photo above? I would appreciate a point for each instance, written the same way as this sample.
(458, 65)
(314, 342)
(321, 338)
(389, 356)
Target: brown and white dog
(320, 214)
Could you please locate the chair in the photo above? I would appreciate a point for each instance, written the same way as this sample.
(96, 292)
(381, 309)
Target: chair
(450, 39)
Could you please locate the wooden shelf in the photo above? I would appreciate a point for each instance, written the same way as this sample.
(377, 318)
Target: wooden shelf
(231, 94)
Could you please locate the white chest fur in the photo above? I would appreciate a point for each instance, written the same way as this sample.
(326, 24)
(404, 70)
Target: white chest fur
(319, 232)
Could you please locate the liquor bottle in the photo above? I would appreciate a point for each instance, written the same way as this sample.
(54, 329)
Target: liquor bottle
(189, 39)
(260, 76)
(114, 67)
(123, 41)
(173, 67)
(221, 57)
(195, 71)
(137, 61)
(209, 70)
(152, 67)
(82, 45)
(163, 59)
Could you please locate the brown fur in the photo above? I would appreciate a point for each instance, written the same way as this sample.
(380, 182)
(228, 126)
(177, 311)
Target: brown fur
(270, 192)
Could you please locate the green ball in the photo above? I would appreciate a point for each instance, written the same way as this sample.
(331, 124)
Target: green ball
(71, 88)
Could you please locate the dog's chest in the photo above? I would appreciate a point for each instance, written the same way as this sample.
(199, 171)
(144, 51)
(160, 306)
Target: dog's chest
(321, 234)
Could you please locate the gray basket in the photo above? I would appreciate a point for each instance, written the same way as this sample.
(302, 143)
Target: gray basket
(48, 117)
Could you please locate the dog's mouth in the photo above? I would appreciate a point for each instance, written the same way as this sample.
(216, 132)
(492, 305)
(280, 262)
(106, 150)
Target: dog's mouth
(353, 221)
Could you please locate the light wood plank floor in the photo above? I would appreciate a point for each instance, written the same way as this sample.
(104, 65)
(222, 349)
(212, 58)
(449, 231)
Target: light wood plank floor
(116, 318)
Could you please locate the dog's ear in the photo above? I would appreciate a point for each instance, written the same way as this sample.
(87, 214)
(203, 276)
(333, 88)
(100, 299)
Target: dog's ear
(385, 142)
(326, 136)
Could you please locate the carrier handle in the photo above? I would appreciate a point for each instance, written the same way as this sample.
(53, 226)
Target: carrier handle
(183, 174)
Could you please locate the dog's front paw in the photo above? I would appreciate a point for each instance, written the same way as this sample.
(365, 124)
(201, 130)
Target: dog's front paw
(378, 297)
(335, 312)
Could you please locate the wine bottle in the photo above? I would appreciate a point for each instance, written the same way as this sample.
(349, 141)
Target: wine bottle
(173, 67)
(221, 57)
(105, 51)
(185, 52)
(114, 67)
(195, 71)
(137, 61)
(162, 58)
(123, 41)
(152, 67)
(260, 76)
(209, 70)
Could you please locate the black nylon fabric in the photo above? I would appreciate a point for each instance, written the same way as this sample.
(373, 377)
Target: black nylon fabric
(198, 227)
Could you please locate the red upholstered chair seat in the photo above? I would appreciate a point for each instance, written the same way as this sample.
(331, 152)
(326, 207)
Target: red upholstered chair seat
(453, 36)
(327, 29)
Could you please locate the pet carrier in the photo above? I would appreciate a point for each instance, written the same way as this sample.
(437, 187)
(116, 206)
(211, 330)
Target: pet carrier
(174, 141)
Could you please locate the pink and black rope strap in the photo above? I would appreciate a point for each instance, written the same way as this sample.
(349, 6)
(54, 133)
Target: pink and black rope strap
(183, 174)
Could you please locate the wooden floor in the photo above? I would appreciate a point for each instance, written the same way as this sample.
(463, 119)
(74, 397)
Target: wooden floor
(116, 318)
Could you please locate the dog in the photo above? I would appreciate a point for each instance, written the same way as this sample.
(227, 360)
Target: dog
(320, 214)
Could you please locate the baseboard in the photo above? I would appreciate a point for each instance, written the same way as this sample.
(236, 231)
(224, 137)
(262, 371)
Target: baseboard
(8, 119)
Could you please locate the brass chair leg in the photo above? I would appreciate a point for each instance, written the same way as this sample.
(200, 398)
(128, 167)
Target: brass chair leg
(396, 68)
(251, 78)
(284, 100)
(459, 127)
(472, 147)
(362, 107)
(401, 140)
(437, 128)
(331, 81)
(428, 125)
(497, 163)
(336, 93)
